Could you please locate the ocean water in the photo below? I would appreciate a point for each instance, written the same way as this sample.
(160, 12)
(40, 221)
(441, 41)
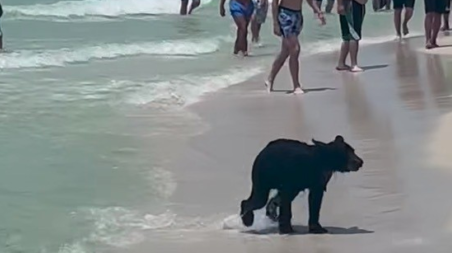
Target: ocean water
(89, 92)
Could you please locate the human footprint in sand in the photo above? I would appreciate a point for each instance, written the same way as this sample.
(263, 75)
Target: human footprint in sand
(351, 16)
(287, 23)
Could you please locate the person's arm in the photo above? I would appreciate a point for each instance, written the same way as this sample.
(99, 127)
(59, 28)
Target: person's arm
(275, 11)
(314, 6)
(222, 11)
(317, 11)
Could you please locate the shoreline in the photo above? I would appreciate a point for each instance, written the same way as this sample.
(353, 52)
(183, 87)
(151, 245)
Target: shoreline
(396, 203)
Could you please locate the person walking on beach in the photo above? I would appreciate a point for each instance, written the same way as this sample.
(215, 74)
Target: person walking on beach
(432, 21)
(446, 26)
(259, 17)
(351, 17)
(241, 12)
(1, 33)
(287, 23)
(399, 5)
(184, 6)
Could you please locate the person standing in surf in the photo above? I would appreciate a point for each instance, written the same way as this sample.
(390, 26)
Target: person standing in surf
(287, 24)
(241, 11)
(259, 17)
(1, 33)
(432, 22)
(399, 5)
(351, 17)
(184, 6)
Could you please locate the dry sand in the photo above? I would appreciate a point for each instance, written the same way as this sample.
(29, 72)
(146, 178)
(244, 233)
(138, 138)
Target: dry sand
(399, 202)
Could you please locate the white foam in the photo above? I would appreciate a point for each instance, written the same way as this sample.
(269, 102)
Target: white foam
(121, 227)
(261, 222)
(331, 45)
(104, 8)
(61, 57)
(187, 89)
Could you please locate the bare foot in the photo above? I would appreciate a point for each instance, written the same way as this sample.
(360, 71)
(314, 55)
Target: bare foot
(445, 28)
(297, 91)
(342, 67)
(429, 45)
(406, 31)
(269, 86)
(356, 69)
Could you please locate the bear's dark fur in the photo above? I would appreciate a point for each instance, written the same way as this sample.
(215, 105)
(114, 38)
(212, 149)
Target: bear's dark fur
(291, 166)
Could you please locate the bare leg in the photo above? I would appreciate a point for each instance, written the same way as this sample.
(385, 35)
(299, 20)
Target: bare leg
(183, 7)
(398, 22)
(245, 38)
(435, 29)
(194, 4)
(345, 49)
(1, 42)
(241, 41)
(254, 30)
(329, 6)
(446, 26)
(354, 48)
(388, 4)
(277, 65)
(294, 63)
(408, 16)
(428, 25)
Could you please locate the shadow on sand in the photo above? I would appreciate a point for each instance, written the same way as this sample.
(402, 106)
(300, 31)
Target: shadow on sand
(305, 90)
(371, 67)
(303, 230)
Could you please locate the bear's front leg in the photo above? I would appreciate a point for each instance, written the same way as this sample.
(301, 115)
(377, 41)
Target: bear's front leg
(315, 204)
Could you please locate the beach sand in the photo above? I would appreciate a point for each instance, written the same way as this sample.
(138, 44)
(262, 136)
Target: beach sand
(399, 201)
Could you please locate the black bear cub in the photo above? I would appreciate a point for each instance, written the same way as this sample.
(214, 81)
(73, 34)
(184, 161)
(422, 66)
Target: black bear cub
(291, 166)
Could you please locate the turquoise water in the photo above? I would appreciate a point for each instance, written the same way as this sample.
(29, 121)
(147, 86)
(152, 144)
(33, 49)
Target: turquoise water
(91, 97)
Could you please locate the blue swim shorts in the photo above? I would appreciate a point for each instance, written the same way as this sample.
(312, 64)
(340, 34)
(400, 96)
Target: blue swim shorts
(290, 22)
(239, 10)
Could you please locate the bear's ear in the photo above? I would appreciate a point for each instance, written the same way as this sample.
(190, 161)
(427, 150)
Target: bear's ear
(318, 143)
(339, 139)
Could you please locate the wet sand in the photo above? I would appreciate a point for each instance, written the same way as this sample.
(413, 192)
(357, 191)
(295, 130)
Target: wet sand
(395, 114)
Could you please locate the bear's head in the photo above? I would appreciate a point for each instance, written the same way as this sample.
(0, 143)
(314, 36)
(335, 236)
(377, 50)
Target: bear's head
(338, 155)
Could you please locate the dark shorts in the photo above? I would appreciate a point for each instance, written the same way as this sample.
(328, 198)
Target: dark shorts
(290, 22)
(436, 6)
(352, 21)
(399, 4)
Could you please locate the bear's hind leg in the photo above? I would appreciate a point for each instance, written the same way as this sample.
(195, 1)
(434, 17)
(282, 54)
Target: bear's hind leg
(285, 211)
(257, 200)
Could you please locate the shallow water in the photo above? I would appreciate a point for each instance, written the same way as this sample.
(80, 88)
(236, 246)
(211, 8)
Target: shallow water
(91, 93)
